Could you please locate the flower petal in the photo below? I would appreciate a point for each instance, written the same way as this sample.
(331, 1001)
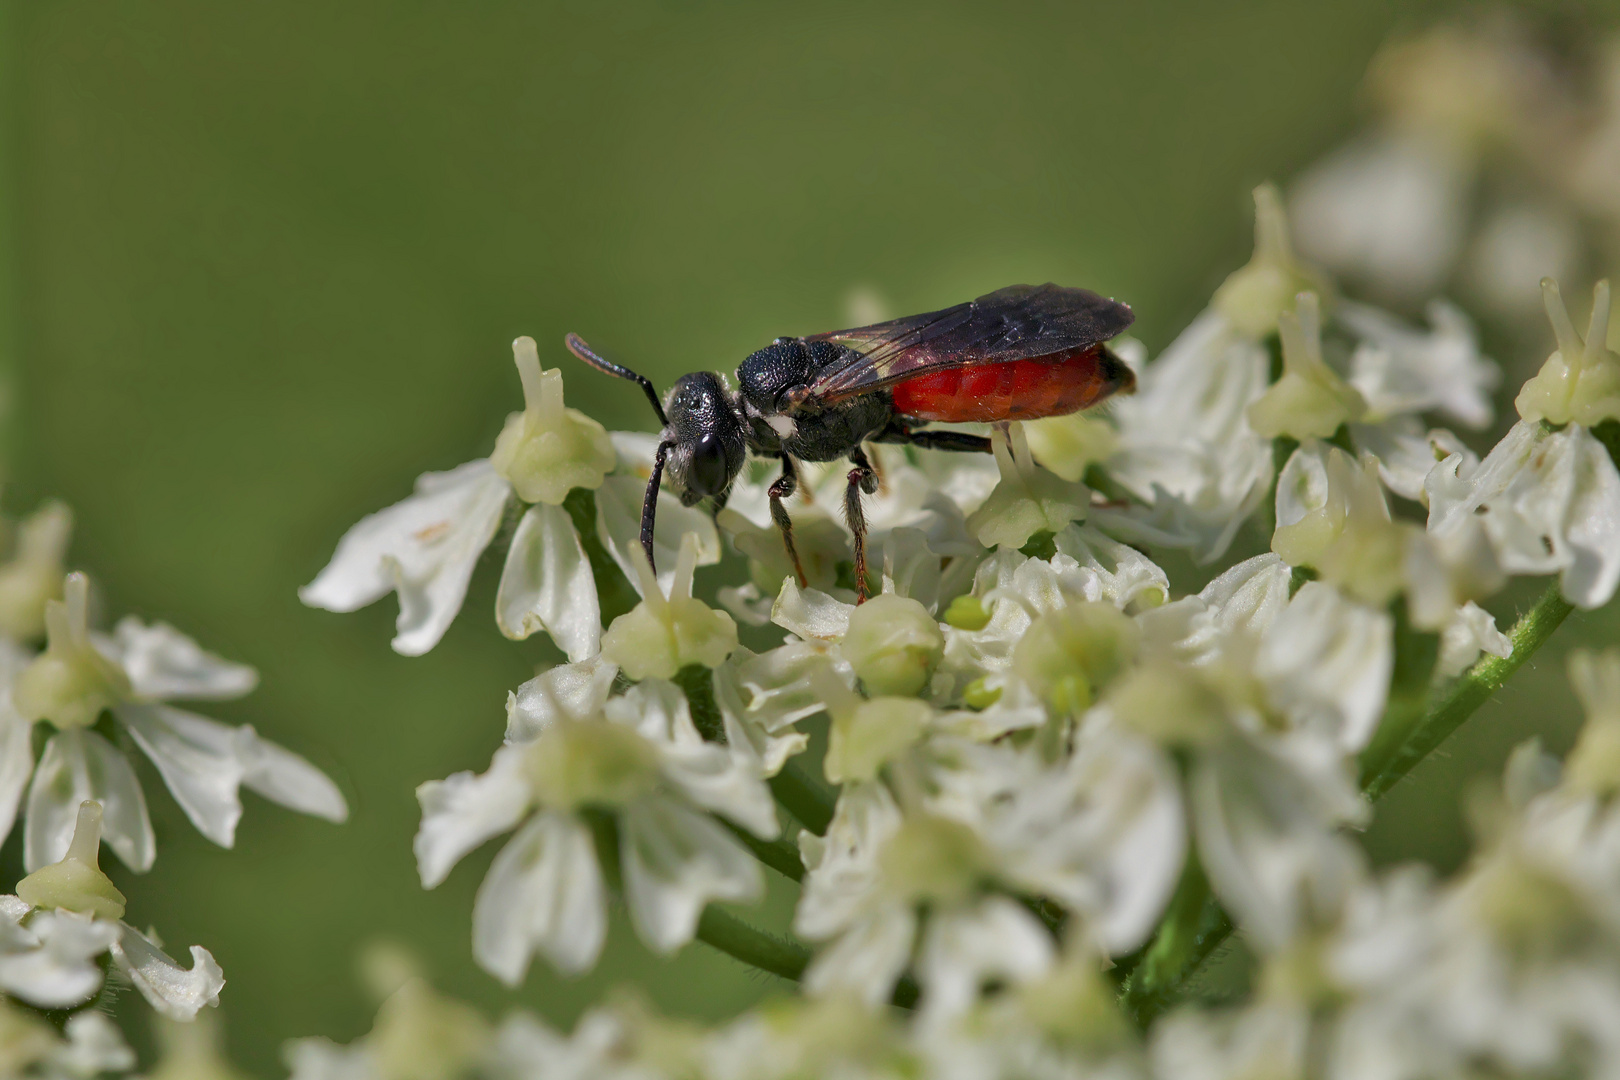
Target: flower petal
(197, 759)
(164, 664)
(1267, 836)
(548, 585)
(423, 547)
(80, 765)
(962, 950)
(809, 613)
(284, 777)
(868, 958)
(461, 811)
(577, 691)
(544, 891)
(62, 970)
(1326, 663)
(94, 1046)
(676, 860)
(618, 526)
(172, 990)
(16, 739)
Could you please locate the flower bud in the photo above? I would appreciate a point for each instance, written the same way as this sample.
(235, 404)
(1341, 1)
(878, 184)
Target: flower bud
(1027, 500)
(1332, 517)
(547, 450)
(1310, 400)
(1254, 297)
(70, 683)
(967, 612)
(590, 763)
(1580, 382)
(33, 577)
(77, 883)
(872, 734)
(1070, 653)
(661, 635)
(893, 644)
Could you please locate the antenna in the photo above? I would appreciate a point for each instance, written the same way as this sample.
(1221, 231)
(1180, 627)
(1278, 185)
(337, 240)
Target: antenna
(577, 346)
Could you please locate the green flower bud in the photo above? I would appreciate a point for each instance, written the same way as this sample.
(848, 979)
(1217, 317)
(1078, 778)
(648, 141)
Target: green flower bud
(661, 635)
(1310, 401)
(33, 577)
(893, 644)
(70, 683)
(966, 612)
(976, 695)
(547, 450)
(578, 763)
(868, 737)
(77, 883)
(1580, 382)
(1255, 297)
(1068, 653)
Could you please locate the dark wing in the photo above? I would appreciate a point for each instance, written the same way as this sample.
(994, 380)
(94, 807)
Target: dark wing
(1020, 322)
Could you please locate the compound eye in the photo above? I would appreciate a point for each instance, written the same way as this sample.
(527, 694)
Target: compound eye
(707, 474)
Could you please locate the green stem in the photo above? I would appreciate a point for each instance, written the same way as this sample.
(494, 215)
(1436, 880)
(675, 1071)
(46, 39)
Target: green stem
(1386, 762)
(805, 797)
(779, 855)
(752, 946)
(697, 682)
(1190, 935)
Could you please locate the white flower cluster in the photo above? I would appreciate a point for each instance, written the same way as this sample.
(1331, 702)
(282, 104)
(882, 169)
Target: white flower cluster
(1045, 765)
(1492, 162)
(62, 934)
(1512, 967)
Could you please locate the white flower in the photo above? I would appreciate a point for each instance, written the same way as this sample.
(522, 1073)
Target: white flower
(1580, 382)
(1028, 500)
(133, 672)
(1548, 502)
(642, 762)
(1401, 370)
(1388, 210)
(68, 915)
(1185, 445)
(1310, 400)
(424, 548)
(865, 878)
(668, 631)
(1103, 833)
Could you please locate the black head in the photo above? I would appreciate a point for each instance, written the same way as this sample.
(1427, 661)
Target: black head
(707, 444)
(703, 443)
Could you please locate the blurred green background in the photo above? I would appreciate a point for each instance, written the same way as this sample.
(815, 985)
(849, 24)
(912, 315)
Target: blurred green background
(265, 263)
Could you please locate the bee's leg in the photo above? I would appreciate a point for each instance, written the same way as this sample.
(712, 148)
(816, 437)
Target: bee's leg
(862, 478)
(649, 504)
(897, 432)
(785, 486)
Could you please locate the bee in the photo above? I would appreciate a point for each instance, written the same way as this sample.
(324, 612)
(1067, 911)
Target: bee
(1019, 353)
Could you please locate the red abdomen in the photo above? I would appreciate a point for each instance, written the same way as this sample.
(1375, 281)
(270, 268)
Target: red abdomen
(1013, 389)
